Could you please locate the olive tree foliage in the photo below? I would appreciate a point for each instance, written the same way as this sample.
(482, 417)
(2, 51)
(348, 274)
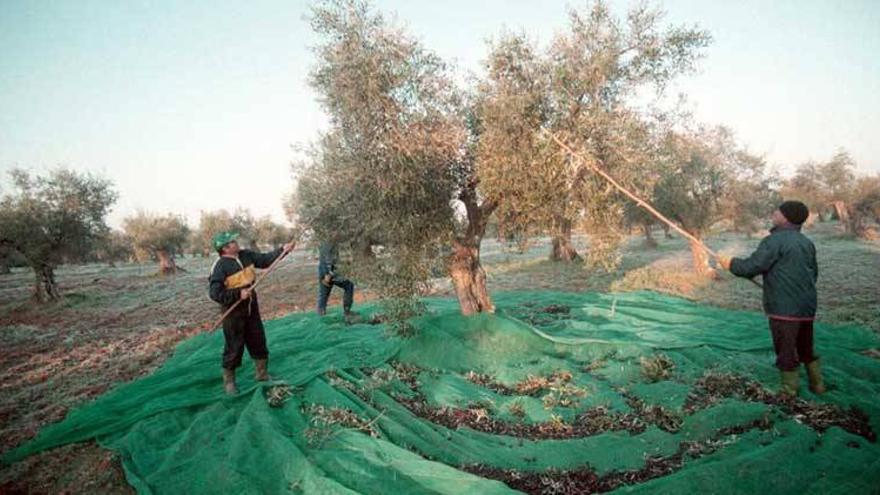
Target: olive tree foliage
(159, 237)
(53, 219)
(114, 246)
(592, 76)
(403, 142)
(838, 176)
(708, 177)
(697, 173)
(385, 171)
(865, 208)
(268, 234)
(637, 217)
(806, 185)
(751, 193)
(514, 163)
(599, 68)
(839, 179)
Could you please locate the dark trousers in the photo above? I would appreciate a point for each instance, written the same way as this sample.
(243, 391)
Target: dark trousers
(242, 331)
(324, 294)
(793, 343)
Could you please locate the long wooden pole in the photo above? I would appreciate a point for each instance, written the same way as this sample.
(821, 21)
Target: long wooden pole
(259, 279)
(639, 201)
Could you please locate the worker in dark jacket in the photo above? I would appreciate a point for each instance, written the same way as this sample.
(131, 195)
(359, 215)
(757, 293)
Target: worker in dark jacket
(232, 277)
(327, 277)
(787, 261)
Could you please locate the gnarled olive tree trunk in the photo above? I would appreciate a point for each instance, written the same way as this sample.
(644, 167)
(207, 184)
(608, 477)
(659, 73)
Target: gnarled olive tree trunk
(465, 269)
(649, 235)
(563, 248)
(840, 211)
(45, 287)
(167, 265)
(469, 279)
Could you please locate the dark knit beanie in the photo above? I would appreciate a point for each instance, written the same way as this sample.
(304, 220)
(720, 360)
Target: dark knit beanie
(794, 211)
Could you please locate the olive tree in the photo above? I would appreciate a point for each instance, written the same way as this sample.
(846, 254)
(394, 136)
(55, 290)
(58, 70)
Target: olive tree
(394, 157)
(52, 219)
(806, 185)
(864, 207)
(638, 217)
(839, 178)
(412, 163)
(211, 222)
(159, 237)
(114, 246)
(600, 66)
(751, 193)
(266, 232)
(696, 176)
(591, 79)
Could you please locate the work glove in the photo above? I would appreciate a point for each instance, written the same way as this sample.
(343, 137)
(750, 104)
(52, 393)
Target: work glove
(724, 262)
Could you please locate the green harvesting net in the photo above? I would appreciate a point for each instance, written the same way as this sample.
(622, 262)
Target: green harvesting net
(556, 393)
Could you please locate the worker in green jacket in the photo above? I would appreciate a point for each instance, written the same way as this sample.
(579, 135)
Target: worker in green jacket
(786, 259)
(232, 279)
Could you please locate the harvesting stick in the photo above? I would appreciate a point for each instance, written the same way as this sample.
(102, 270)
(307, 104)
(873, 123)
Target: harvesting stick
(259, 279)
(639, 201)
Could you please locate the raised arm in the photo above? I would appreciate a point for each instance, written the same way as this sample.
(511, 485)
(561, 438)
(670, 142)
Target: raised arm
(758, 263)
(263, 260)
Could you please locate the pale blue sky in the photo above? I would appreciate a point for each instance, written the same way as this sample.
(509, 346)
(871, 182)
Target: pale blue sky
(195, 105)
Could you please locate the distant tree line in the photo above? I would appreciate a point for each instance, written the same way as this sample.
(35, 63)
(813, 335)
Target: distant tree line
(60, 217)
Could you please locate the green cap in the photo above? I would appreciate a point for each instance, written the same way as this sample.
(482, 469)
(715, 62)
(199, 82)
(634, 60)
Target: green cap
(224, 238)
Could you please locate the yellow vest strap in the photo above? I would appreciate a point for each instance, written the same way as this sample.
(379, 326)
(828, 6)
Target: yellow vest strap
(243, 278)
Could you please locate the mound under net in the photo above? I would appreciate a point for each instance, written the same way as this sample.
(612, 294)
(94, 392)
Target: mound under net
(556, 393)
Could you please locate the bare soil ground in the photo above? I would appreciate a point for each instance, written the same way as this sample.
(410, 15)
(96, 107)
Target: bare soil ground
(117, 324)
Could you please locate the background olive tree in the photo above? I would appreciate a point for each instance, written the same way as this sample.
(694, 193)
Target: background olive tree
(694, 181)
(806, 185)
(212, 222)
(268, 234)
(159, 237)
(112, 247)
(53, 219)
(751, 193)
(838, 180)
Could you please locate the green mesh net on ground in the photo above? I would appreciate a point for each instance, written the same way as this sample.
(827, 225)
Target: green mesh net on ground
(556, 393)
